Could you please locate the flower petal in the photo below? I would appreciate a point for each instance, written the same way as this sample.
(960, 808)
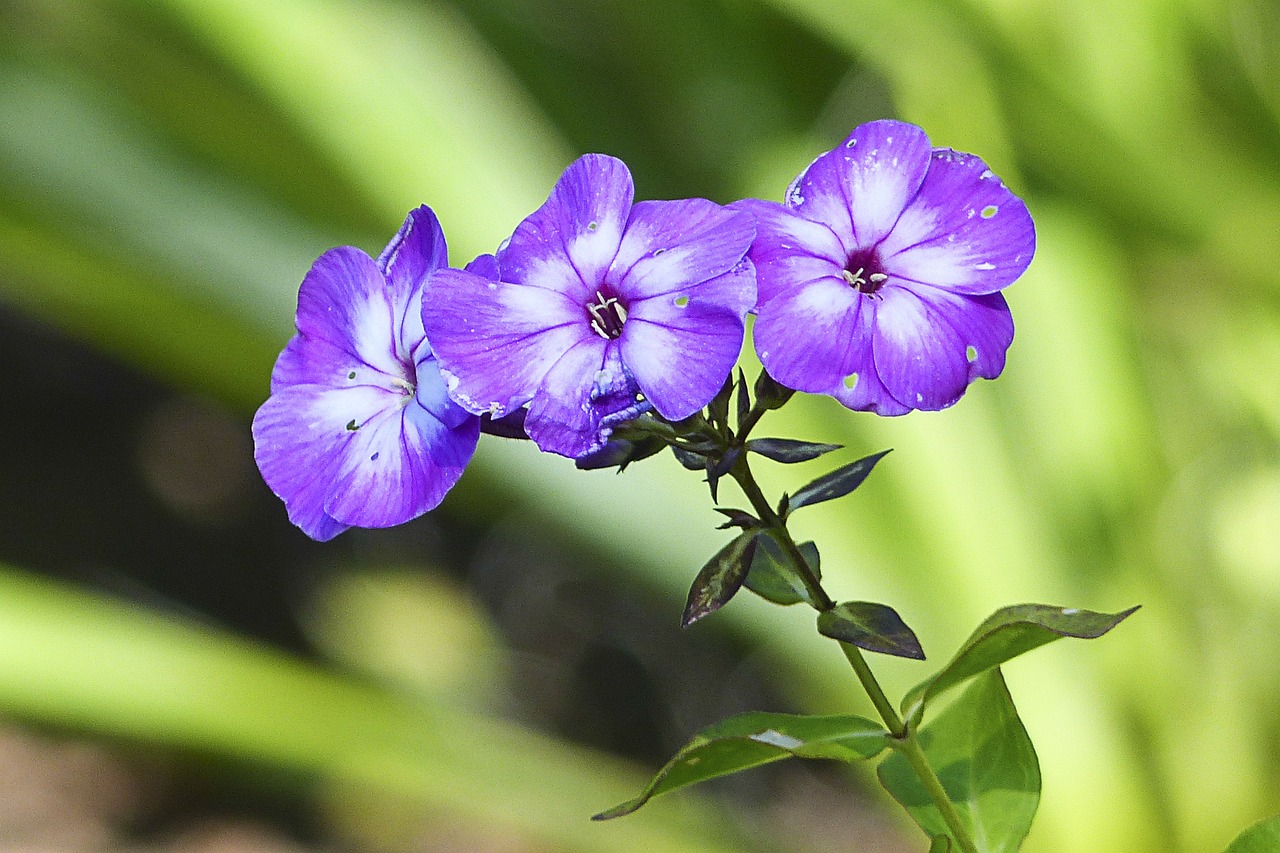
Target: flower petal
(964, 231)
(432, 394)
(681, 346)
(399, 465)
(495, 341)
(789, 250)
(301, 434)
(344, 301)
(919, 355)
(861, 188)
(567, 244)
(561, 416)
(670, 245)
(810, 338)
(417, 250)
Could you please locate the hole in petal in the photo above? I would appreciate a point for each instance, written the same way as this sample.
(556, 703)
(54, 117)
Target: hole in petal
(971, 353)
(591, 226)
(989, 211)
(351, 375)
(352, 425)
(681, 301)
(851, 381)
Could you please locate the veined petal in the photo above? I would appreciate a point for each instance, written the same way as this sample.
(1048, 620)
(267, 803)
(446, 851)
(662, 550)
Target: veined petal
(417, 250)
(811, 337)
(495, 341)
(919, 355)
(681, 346)
(301, 435)
(670, 245)
(567, 244)
(861, 188)
(964, 231)
(344, 301)
(983, 322)
(399, 465)
(789, 250)
(561, 416)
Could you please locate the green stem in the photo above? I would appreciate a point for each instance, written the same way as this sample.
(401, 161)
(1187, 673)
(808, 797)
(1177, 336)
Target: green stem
(904, 736)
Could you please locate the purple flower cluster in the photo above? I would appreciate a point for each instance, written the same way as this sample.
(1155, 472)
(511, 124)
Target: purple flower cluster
(877, 282)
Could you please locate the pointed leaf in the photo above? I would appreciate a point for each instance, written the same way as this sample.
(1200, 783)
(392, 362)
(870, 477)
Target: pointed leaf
(838, 483)
(1262, 837)
(1005, 634)
(749, 740)
(986, 763)
(788, 449)
(773, 578)
(769, 394)
(720, 579)
(717, 468)
(874, 627)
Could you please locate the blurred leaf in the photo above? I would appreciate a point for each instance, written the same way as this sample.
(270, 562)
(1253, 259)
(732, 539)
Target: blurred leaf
(1007, 633)
(1262, 837)
(986, 763)
(75, 660)
(789, 449)
(720, 579)
(772, 577)
(837, 484)
(940, 844)
(737, 518)
(749, 740)
(874, 627)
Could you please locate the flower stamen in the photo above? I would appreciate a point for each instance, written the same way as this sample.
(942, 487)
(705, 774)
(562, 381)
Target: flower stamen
(607, 316)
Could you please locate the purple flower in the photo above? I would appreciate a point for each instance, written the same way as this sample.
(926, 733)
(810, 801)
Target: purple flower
(879, 279)
(597, 310)
(359, 430)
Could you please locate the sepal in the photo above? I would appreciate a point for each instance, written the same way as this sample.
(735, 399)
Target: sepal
(720, 579)
(789, 450)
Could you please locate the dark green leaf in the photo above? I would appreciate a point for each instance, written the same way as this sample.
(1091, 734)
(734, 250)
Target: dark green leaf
(773, 578)
(1005, 634)
(744, 398)
(691, 461)
(749, 740)
(940, 844)
(1262, 837)
(720, 579)
(838, 483)
(620, 452)
(986, 763)
(874, 627)
(769, 394)
(789, 449)
(737, 518)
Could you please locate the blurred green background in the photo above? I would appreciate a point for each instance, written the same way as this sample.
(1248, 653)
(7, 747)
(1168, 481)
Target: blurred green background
(169, 170)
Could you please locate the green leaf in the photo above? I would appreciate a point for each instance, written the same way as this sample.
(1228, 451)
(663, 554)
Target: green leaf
(744, 398)
(720, 579)
(789, 450)
(1005, 634)
(838, 483)
(940, 844)
(772, 576)
(874, 627)
(984, 759)
(1262, 837)
(737, 518)
(749, 740)
(688, 459)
